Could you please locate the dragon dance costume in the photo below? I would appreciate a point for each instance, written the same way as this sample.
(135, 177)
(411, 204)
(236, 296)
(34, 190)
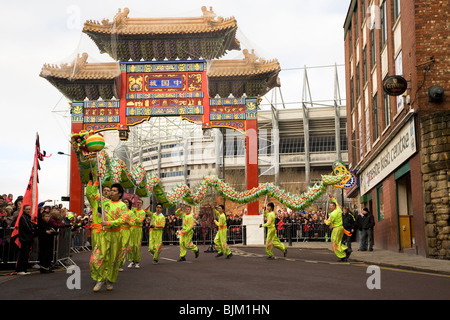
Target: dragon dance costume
(137, 220)
(335, 220)
(94, 199)
(186, 234)
(272, 240)
(221, 237)
(125, 234)
(155, 234)
(105, 257)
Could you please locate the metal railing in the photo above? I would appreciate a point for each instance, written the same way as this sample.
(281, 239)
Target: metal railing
(68, 242)
(65, 243)
(202, 235)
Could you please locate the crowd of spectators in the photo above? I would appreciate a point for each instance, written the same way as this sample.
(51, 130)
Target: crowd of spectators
(60, 217)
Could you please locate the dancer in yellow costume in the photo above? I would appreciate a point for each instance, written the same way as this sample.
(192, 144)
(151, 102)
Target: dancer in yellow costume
(125, 233)
(94, 201)
(340, 250)
(221, 237)
(272, 240)
(137, 219)
(186, 232)
(105, 257)
(158, 222)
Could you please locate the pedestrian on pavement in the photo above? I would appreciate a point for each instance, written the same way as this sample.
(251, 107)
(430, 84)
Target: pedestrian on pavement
(186, 232)
(221, 237)
(366, 223)
(349, 223)
(335, 220)
(46, 234)
(157, 224)
(272, 240)
(26, 238)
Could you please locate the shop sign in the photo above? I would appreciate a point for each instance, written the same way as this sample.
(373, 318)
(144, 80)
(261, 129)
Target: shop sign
(400, 149)
(395, 85)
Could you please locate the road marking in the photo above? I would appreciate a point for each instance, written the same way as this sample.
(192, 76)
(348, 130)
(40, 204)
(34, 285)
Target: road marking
(405, 270)
(175, 260)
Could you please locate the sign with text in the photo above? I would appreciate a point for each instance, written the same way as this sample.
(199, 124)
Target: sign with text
(400, 149)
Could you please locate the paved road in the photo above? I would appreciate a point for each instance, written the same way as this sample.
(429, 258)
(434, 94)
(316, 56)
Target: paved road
(303, 275)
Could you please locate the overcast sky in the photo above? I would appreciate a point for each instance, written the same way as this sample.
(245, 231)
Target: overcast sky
(296, 32)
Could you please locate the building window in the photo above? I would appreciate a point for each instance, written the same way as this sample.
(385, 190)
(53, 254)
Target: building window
(365, 64)
(380, 203)
(344, 143)
(361, 153)
(387, 111)
(383, 24)
(396, 9)
(292, 145)
(356, 24)
(376, 130)
(322, 144)
(368, 140)
(363, 9)
(354, 149)
(352, 94)
(358, 93)
(372, 47)
(350, 39)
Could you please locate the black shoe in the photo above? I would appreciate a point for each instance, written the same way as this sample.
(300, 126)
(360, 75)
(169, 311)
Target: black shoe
(44, 270)
(182, 259)
(285, 252)
(347, 253)
(229, 256)
(196, 254)
(270, 258)
(219, 255)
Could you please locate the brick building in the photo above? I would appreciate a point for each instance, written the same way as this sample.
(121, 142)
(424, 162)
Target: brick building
(399, 145)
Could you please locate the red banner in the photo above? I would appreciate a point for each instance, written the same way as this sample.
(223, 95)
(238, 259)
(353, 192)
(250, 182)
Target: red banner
(31, 193)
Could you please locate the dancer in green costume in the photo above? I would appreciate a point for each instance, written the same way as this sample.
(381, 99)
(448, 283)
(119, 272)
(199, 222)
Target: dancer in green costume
(105, 257)
(340, 250)
(125, 234)
(158, 222)
(186, 232)
(221, 237)
(272, 239)
(94, 200)
(137, 219)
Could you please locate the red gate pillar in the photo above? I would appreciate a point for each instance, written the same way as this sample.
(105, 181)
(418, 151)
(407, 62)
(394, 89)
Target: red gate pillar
(251, 143)
(76, 189)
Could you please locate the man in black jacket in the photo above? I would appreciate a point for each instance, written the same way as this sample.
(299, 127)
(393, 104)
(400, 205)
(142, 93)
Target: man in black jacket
(366, 223)
(26, 237)
(349, 223)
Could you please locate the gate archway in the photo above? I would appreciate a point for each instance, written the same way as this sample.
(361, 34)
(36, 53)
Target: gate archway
(165, 67)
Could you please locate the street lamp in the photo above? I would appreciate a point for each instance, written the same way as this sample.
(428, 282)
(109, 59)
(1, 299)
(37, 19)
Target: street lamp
(68, 173)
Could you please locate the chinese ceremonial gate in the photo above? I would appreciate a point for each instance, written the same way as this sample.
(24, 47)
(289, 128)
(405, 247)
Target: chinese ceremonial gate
(213, 93)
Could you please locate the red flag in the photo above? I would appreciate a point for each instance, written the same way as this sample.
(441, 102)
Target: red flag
(31, 193)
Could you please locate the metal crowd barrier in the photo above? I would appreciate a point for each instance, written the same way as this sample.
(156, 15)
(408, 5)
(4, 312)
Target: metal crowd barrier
(298, 232)
(202, 235)
(67, 242)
